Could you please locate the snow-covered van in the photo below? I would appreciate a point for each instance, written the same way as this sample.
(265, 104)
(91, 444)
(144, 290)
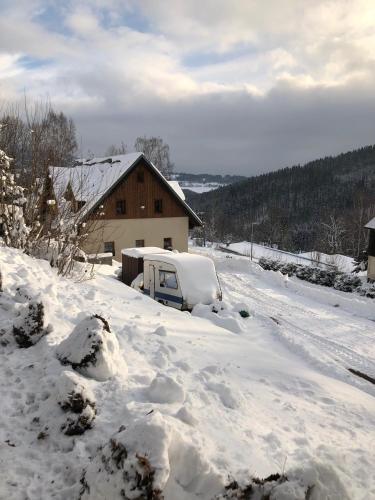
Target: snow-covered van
(179, 280)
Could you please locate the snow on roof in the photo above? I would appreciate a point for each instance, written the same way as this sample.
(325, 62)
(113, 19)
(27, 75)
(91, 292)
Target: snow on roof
(177, 188)
(142, 251)
(91, 179)
(196, 275)
(371, 224)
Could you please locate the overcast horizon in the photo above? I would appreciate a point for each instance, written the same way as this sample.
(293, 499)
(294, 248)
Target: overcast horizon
(233, 87)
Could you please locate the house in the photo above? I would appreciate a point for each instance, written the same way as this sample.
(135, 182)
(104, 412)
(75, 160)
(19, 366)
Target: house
(371, 250)
(128, 203)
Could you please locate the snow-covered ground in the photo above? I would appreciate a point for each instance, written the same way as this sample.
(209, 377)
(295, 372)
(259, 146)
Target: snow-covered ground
(342, 262)
(207, 396)
(199, 187)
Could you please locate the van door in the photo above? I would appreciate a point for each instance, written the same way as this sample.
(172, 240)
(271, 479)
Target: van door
(151, 274)
(167, 289)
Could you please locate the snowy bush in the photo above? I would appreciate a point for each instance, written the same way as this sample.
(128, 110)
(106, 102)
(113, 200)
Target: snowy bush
(12, 201)
(78, 401)
(91, 349)
(133, 465)
(244, 313)
(347, 283)
(367, 290)
(30, 327)
(289, 268)
(315, 482)
(269, 265)
(340, 281)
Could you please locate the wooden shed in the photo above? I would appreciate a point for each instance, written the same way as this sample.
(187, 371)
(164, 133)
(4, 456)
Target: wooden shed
(132, 261)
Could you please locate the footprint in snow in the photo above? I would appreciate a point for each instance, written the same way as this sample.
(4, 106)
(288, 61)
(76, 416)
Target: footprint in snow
(161, 331)
(225, 393)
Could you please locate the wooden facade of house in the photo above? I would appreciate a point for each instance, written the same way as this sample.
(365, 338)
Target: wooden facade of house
(138, 207)
(141, 194)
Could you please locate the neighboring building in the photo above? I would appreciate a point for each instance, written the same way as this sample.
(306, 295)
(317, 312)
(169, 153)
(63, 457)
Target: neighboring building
(128, 202)
(371, 250)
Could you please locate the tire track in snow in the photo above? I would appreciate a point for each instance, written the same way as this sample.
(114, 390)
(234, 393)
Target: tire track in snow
(331, 357)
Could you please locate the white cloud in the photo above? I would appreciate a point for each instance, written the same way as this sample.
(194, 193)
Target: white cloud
(99, 66)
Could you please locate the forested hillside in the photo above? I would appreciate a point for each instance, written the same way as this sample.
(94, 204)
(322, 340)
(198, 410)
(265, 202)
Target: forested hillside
(322, 205)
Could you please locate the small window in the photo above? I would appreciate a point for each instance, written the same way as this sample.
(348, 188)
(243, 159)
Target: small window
(120, 207)
(168, 279)
(109, 247)
(140, 176)
(139, 243)
(168, 244)
(159, 206)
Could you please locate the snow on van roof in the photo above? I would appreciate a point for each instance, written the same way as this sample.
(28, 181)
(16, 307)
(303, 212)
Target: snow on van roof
(196, 275)
(138, 252)
(371, 224)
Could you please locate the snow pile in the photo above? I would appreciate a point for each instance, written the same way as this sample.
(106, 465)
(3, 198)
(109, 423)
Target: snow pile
(230, 317)
(30, 324)
(91, 349)
(78, 401)
(134, 464)
(149, 460)
(164, 389)
(316, 482)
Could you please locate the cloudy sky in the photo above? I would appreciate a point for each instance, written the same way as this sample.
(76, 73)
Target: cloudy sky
(234, 86)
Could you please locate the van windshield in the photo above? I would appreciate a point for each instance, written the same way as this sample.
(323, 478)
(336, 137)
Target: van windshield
(168, 279)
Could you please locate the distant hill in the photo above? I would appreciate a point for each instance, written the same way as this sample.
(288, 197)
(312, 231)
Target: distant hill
(322, 205)
(201, 183)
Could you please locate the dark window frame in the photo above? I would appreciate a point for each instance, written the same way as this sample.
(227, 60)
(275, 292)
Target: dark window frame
(141, 176)
(371, 243)
(120, 207)
(158, 206)
(137, 245)
(112, 244)
(166, 245)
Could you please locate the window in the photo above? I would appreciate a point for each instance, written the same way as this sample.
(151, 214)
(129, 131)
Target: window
(159, 206)
(120, 207)
(109, 247)
(168, 279)
(371, 244)
(168, 244)
(139, 243)
(140, 176)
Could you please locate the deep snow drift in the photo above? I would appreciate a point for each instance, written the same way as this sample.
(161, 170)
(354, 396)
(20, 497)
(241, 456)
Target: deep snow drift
(197, 399)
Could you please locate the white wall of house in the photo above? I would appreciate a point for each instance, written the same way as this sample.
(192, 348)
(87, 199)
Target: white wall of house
(125, 232)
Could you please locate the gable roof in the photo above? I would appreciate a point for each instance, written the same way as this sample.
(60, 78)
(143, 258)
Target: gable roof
(371, 224)
(91, 180)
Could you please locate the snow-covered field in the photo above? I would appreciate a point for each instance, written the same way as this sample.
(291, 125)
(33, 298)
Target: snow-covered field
(199, 187)
(206, 396)
(342, 262)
